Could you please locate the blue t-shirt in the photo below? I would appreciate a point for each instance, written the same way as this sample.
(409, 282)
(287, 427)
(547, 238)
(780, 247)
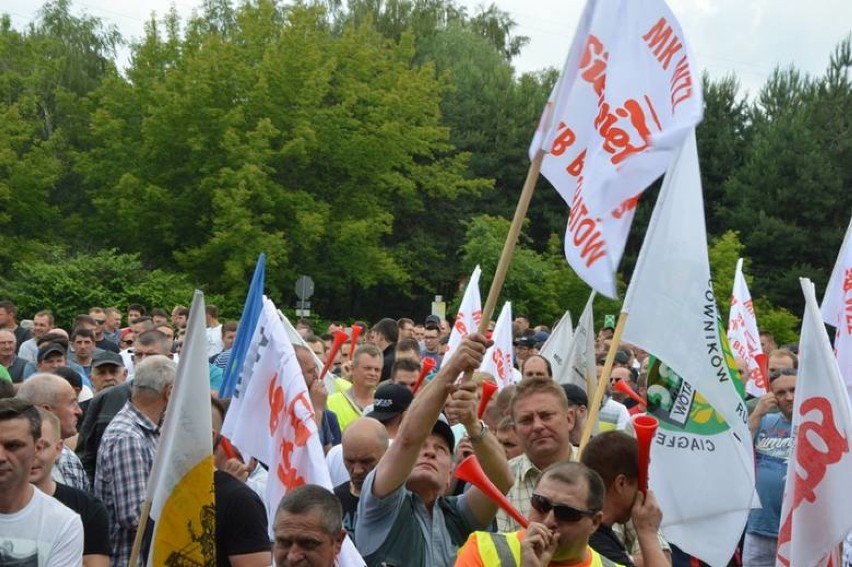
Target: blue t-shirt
(772, 447)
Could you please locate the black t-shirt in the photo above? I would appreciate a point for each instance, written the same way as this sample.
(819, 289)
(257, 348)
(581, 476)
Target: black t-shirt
(107, 344)
(605, 542)
(21, 335)
(94, 515)
(240, 519)
(349, 503)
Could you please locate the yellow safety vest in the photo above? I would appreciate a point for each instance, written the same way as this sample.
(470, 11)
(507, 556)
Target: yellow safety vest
(504, 550)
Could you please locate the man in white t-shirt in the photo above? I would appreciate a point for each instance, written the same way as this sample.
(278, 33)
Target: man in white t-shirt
(35, 529)
(214, 331)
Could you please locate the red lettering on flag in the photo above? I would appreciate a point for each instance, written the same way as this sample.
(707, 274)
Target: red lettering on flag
(593, 64)
(275, 397)
(287, 473)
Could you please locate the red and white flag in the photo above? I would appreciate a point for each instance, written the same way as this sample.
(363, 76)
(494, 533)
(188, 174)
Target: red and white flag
(274, 421)
(816, 513)
(743, 335)
(837, 308)
(498, 358)
(469, 315)
(628, 95)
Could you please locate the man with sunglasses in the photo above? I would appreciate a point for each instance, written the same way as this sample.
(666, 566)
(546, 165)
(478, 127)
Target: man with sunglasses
(771, 433)
(565, 510)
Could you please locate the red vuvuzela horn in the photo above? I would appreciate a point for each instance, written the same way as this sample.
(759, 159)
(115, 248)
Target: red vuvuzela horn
(621, 386)
(427, 365)
(763, 362)
(470, 471)
(488, 389)
(339, 338)
(356, 332)
(645, 427)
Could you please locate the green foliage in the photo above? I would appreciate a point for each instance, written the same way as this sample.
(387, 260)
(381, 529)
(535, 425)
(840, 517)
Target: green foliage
(778, 321)
(723, 252)
(70, 284)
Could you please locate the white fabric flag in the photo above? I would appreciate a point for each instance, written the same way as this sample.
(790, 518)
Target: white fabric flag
(581, 369)
(297, 339)
(743, 335)
(837, 307)
(469, 315)
(275, 423)
(628, 95)
(558, 345)
(498, 357)
(180, 487)
(816, 513)
(672, 314)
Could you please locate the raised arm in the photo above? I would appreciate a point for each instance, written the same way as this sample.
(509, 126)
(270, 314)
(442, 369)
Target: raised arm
(396, 464)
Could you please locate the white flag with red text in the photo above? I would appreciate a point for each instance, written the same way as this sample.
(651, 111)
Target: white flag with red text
(498, 357)
(743, 335)
(837, 308)
(274, 420)
(816, 513)
(557, 346)
(628, 95)
(469, 314)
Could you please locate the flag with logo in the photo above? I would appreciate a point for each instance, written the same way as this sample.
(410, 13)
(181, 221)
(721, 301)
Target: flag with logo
(837, 307)
(180, 487)
(275, 421)
(671, 312)
(469, 314)
(743, 335)
(245, 329)
(558, 344)
(498, 357)
(816, 513)
(628, 95)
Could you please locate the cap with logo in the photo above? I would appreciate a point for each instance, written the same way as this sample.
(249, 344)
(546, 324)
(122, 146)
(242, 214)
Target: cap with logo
(389, 401)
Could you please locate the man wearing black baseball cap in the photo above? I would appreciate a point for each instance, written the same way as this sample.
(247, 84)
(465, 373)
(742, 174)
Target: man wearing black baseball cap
(107, 370)
(390, 403)
(404, 493)
(50, 357)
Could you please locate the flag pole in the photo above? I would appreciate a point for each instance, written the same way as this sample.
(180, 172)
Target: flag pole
(595, 404)
(140, 532)
(511, 240)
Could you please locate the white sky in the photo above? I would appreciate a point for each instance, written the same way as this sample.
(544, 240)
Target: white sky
(746, 37)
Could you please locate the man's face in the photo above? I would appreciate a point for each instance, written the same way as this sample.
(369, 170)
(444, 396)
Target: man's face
(431, 340)
(767, 344)
(67, 410)
(83, 347)
(113, 320)
(228, 339)
(44, 460)
(573, 536)
(620, 373)
(784, 389)
(509, 440)
(160, 320)
(141, 352)
(41, 325)
(521, 323)
(308, 366)
(406, 331)
(300, 541)
(51, 362)
(536, 366)
(543, 425)
(319, 349)
(361, 455)
(522, 352)
(180, 321)
(7, 343)
(133, 314)
(139, 328)
(419, 332)
(108, 375)
(100, 320)
(5, 318)
(445, 328)
(17, 451)
(367, 370)
(407, 378)
(433, 466)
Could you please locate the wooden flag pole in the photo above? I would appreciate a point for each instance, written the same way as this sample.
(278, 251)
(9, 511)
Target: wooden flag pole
(511, 240)
(140, 532)
(595, 403)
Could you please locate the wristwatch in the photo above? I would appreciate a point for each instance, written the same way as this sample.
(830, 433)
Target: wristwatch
(479, 436)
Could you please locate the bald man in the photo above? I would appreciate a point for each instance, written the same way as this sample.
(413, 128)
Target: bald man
(364, 443)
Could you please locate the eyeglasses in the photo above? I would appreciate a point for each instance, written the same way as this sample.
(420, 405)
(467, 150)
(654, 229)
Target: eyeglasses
(100, 321)
(782, 372)
(561, 512)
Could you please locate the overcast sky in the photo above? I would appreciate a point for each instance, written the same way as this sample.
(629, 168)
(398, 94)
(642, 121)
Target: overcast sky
(746, 37)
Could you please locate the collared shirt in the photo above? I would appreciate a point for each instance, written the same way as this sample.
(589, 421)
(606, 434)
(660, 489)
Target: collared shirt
(526, 476)
(125, 458)
(70, 472)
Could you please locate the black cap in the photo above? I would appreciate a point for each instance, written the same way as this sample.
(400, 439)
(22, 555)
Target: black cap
(433, 320)
(576, 395)
(443, 429)
(47, 349)
(107, 357)
(389, 401)
(526, 341)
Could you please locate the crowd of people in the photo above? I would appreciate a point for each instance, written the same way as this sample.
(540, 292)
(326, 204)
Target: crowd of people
(82, 411)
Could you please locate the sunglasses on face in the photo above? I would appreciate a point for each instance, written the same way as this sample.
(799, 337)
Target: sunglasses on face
(561, 512)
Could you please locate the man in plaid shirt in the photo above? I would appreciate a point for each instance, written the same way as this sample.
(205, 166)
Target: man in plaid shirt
(126, 453)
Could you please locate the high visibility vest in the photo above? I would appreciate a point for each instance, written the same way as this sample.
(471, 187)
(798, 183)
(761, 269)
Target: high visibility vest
(504, 550)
